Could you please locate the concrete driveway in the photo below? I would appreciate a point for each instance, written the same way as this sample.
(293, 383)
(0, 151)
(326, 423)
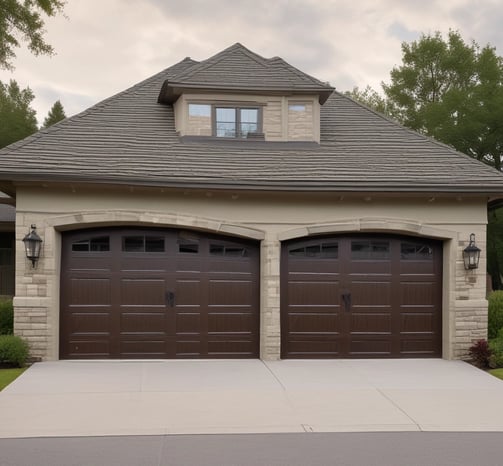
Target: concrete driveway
(88, 398)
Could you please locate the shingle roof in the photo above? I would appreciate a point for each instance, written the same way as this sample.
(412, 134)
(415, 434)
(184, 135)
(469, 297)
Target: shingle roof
(237, 68)
(130, 139)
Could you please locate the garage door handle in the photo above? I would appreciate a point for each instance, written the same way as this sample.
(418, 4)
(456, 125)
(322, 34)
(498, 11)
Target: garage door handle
(170, 298)
(346, 298)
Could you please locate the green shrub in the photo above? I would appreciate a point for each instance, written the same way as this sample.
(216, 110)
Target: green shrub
(496, 346)
(13, 350)
(495, 322)
(6, 317)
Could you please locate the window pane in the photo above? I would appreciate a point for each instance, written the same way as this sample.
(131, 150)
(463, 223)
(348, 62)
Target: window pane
(236, 251)
(199, 110)
(412, 251)
(297, 108)
(154, 244)
(313, 251)
(100, 244)
(216, 249)
(226, 130)
(133, 243)
(80, 246)
(249, 115)
(226, 115)
(245, 128)
(330, 250)
(189, 248)
(298, 252)
(369, 250)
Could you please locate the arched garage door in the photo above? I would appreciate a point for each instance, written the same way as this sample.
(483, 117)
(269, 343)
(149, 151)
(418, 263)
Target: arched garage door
(361, 296)
(158, 293)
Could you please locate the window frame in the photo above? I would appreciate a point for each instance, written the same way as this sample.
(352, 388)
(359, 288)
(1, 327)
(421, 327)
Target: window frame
(237, 106)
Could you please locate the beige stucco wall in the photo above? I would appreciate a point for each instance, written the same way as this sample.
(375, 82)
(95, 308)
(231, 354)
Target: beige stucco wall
(269, 218)
(279, 124)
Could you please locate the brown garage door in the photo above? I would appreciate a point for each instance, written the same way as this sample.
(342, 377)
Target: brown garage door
(148, 293)
(361, 297)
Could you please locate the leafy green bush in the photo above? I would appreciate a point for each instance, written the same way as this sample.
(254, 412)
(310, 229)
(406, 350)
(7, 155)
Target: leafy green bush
(6, 317)
(496, 346)
(495, 323)
(13, 350)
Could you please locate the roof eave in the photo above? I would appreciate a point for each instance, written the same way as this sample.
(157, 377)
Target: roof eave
(171, 91)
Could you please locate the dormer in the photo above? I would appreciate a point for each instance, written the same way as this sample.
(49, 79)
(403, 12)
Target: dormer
(239, 95)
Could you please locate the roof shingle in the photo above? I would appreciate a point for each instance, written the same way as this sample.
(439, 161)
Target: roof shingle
(130, 139)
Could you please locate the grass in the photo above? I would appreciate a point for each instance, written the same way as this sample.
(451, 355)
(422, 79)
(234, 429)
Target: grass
(497, 373)
(9, 375)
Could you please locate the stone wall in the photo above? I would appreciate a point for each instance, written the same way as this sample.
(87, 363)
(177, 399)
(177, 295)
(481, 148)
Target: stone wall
(267, 218)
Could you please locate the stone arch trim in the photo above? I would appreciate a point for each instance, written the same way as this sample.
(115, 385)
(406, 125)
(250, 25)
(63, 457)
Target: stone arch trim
(384, 225)
(158, 219)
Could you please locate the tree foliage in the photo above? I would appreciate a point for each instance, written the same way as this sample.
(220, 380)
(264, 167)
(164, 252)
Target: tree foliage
(452, 91)
(369, 97)
(17, 118)
(22, 20)
(56, 113)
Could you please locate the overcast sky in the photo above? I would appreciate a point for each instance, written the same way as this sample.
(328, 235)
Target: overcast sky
(104, 46)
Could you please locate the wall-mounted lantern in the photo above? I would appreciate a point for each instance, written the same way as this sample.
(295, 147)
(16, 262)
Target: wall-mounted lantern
(471, 254)
(32, 243)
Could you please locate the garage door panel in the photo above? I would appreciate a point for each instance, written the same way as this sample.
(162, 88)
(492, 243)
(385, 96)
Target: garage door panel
(313, 293)
(188, 323)
(143, 292)
(89, 348)
(237, 347)
(313, 323)
(422, 293)
(90, 323)
(188, 293)
(417, 268)
(371, 323)
(164, 292)
(309, 348)
(417, 322)
(230, 293)
(370, 293)
(143, 322)
(142, 348)
(230, 323)
(90, 291)
(418, 347)
(367, 347)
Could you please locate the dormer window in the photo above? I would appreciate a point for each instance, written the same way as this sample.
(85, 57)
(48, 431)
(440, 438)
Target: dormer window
(224, 121)
(236, 122)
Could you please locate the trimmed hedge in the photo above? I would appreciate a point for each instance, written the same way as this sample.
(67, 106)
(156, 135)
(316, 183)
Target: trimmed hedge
(13, 350)
(495, 318)
(6, 317)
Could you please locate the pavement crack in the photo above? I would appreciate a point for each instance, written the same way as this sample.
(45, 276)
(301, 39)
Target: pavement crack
(274, 375)
(399, 408)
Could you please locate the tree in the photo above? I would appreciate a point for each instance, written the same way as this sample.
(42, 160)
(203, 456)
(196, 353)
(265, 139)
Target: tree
(17, 118)
(453, 92)
(22, 20)
(369, 97)
(56, 113)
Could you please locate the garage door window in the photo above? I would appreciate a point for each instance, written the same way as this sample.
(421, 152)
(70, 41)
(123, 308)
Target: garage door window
(188, 247)
(143, 244)
(229, 251)
(323, 250)
(100, 244)
(369, 250)
(416, 251)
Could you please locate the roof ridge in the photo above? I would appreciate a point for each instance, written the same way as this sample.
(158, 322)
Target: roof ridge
(298, 72)
(214, 59)
(99, 106)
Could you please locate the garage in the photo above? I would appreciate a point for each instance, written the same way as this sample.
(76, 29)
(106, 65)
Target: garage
(158, 293)
(361, 296)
